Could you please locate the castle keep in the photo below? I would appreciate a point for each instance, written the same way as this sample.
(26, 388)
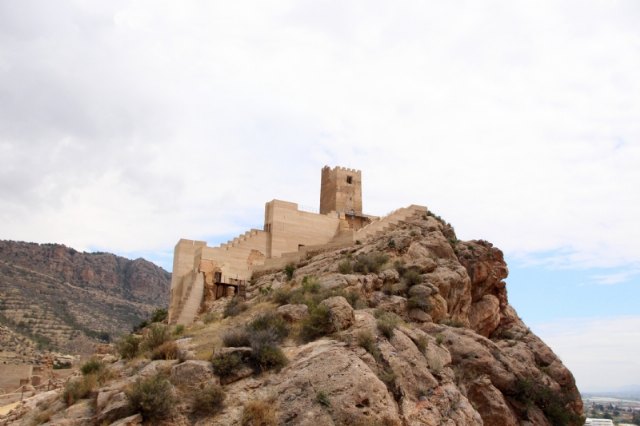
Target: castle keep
(287, 235)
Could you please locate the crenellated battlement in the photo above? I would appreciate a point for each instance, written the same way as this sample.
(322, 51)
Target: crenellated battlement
(342, 169)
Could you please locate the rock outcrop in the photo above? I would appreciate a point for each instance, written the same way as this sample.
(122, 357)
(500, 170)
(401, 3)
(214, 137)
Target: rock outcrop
(411, 327)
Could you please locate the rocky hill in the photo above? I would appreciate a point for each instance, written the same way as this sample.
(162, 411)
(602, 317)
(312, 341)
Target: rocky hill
(62, 299)
(411, 327)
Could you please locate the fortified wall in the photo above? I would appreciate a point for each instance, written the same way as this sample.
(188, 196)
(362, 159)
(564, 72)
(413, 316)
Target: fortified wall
(288, 232)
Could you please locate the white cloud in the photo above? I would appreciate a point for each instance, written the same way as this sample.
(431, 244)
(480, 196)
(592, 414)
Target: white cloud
(600, 352)
(128, 125)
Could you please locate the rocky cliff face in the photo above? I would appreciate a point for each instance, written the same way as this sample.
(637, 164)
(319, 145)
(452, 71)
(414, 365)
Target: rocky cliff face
(412, 327)
(65, 299)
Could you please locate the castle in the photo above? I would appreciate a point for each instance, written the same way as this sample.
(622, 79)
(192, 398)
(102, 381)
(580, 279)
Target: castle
(288, 234)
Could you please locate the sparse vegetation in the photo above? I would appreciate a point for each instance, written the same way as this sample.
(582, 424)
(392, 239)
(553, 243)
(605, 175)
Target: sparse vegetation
(208, 400)
(439, 339)
(322, 398)
(345, 266)
(317, 324)
(156, 335)
(78, 389)
(159, 315)
(387, 322)
(128, 346)
(370, 263)
(235, 307)
(367, 341)
(167, 350)
(421, 343)
(151, 397)
(552, 403)
(225, 364)
(236, 338)
(92, 366)
(259, 413)
(418, 302)
(289, 270)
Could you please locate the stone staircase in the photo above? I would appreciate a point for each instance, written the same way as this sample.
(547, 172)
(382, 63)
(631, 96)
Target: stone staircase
(237, 241)
(188, 307)
(388, 222)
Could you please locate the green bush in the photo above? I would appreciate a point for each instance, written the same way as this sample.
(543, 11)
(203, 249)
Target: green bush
(310, 284)
(370, 263)
(236, 338)
(421, 343)
(156, 335)
(322, 398)
(281, 296)
(151, 397)
(419, 303)
(367, 341)
(128, 346)
(234, 307)
(411, 277)
(316, 324)
(345, 267)
(92, 366)
(267, 356)
(209, 400)
(289, 270)
(225, 364)
(178, 330)
(552, 403)
(387, 323)
(271, 323)
(78, 389)
(159, 315)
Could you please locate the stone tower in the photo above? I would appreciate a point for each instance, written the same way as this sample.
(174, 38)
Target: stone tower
(341, 190)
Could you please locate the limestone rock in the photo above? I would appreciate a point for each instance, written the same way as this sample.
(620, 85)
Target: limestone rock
(293, 313)
(484, 315)
(490, 403)
(191, 372)
(353, 392)
(340, 313)
(134, 420)
(115, 408)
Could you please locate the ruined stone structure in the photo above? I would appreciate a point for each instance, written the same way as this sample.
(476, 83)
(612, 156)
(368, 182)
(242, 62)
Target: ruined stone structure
(288, 234)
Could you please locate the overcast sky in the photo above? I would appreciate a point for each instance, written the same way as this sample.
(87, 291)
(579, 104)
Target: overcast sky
(126, 125)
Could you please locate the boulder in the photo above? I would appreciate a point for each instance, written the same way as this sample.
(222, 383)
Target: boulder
(484, 315)
(191, 372)
(115, 408)
(134, 420)
(293, 313)
(340, 313)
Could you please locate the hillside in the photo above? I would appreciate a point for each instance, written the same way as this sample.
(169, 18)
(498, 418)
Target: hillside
(409, 327)
(62, 299)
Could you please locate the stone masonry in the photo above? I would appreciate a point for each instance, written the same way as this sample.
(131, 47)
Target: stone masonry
(288, 232)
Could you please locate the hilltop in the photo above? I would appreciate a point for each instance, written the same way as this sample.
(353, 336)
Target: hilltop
(54, 297)
(408, 327)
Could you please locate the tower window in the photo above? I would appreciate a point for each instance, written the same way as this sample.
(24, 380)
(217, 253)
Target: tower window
(349, 180)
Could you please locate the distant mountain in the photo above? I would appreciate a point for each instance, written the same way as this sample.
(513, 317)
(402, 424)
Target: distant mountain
(64, 299)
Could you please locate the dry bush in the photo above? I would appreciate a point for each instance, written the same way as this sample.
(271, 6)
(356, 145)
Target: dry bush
(78, 389)
(208, 400)
(167, 350)
(259, 413)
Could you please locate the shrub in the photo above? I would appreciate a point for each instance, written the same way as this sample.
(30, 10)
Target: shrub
(387, 322)
(78, 389)
(151, 397)
(92, 366)
(411, 277)
(289, 270)
(167, 350)
(370, 262)
(439, 339)
(234, 307)
(388, 377)
(281, 296)
(267, 356)
(310, 285)
(419, 303)
(368, 342)
(345, 267)
(157, 334)
(316, 324)
(210, 317)
(159, 315)
(322, 398)
(421, 343)
(178, 330)
(128, 346)
(259, 413)
(236, 338)
(226, 364)
(271, 323)
(551, 402)
(209, 400)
